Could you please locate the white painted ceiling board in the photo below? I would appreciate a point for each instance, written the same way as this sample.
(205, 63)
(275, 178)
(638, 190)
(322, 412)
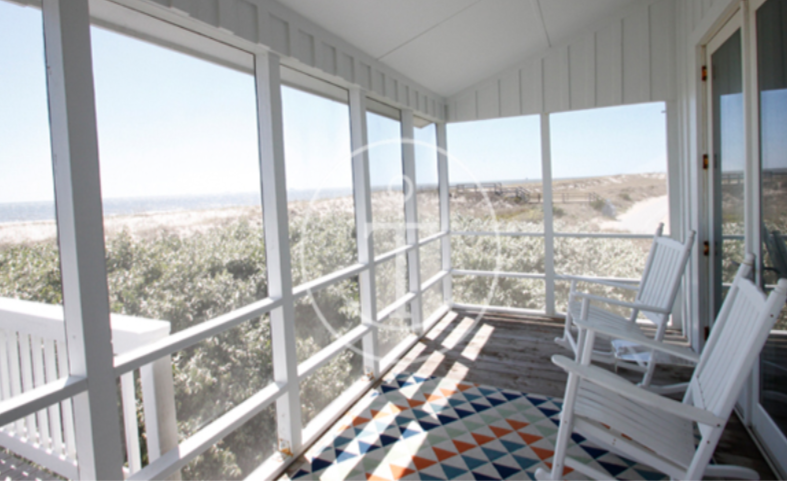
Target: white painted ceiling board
(378, 27)
(566, 18)
(473, 45)
(448, 45)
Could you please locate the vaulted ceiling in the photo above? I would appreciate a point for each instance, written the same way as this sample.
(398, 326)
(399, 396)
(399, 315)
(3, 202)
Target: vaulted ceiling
(448, 45)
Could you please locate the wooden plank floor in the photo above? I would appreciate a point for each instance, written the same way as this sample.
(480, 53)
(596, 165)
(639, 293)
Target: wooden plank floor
(17, 469)
(514, 352)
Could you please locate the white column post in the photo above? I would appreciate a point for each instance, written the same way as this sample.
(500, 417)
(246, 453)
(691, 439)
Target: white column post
(549, 229)
(277, 248)
(72, 116)
(158, 399)
(674, 191)
(411, 220)
(362, 192)
(445, 208)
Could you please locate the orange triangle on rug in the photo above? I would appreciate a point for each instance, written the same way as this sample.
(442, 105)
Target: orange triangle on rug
(374, 477)
(481, 439)
(400, 471)
(462, 446)
(517, 424)
(442, 454)
(500, 432)
(543, 453)
(529, 438)
(421, 463)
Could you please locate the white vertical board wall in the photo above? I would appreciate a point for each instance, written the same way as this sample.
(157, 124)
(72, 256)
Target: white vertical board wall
(628, 59)
(246, 23)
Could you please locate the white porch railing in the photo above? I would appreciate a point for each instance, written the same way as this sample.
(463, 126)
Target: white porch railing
(33, 353)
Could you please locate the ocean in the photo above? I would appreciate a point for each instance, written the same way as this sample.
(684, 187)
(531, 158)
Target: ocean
(43, 211)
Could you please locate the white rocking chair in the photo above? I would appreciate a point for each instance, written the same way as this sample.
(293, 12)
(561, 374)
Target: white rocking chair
(655, 430)
(656, 294)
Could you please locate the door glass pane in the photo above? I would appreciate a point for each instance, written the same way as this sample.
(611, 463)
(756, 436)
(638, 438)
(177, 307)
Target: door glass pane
(772, 53)
(728, 159)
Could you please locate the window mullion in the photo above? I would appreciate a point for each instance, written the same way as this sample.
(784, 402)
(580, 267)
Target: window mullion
(411, 220)
(363, 228)
(549, 229)
(277, 248)
(445, 208)
(72, 115)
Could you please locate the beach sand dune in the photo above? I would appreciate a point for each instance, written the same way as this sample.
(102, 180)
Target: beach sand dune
(148, 225)
(642, 217)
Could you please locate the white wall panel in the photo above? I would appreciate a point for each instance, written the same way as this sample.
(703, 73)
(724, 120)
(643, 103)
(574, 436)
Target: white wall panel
(378, 82)
(510, 104)
(630, 58)
(326, 60)
(532, 91)
(609, 61)
(582, 72)
(363, 75)
(390, 87)
(346, 70)
(277, 35)
(306, 49)
(489, 100)
(556, 80)
(636, 57)
(402, 94)
(465, 107)
(662, 51)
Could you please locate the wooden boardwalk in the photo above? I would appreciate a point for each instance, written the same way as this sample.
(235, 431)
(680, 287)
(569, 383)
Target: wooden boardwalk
(514, 352)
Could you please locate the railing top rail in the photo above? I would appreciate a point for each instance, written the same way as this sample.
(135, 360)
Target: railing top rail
(46, 321)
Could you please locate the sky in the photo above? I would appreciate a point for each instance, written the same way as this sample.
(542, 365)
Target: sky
(173, 125)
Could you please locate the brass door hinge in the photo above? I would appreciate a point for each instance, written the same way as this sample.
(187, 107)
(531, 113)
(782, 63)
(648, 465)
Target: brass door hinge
(705, 162)
(706, 248)
(704, 73)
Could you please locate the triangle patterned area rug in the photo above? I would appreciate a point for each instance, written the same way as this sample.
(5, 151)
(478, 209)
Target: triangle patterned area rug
(413, 427)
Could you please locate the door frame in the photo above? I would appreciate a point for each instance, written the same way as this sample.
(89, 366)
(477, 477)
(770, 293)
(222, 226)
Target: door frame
(768, 435)
(733, 24)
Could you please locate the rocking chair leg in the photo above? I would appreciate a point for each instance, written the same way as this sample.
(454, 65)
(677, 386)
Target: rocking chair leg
(563, 433)
(567, 341)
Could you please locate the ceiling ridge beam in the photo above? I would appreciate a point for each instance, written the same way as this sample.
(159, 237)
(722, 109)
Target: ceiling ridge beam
(441, 22)
(537, 8)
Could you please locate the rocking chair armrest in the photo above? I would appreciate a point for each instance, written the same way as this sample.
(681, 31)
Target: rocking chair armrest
(617, 384)
(630, 305)
(633, 334)
(595, 280)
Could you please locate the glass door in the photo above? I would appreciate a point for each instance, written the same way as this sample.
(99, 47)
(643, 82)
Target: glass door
(727, 154)
(770, 415)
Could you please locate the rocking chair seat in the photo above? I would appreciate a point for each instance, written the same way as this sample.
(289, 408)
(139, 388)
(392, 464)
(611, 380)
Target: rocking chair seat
(601, 412)
(598, 315)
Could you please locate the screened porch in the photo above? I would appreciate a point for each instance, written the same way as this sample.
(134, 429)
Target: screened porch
(231, 229)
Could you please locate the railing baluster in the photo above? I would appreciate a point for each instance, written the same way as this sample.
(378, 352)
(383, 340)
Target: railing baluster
(128, 400)
(5, 375)
(27, 382)
(5, 384)
(37, 352)
(16, 383)
(66, 406)
(56, 427)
